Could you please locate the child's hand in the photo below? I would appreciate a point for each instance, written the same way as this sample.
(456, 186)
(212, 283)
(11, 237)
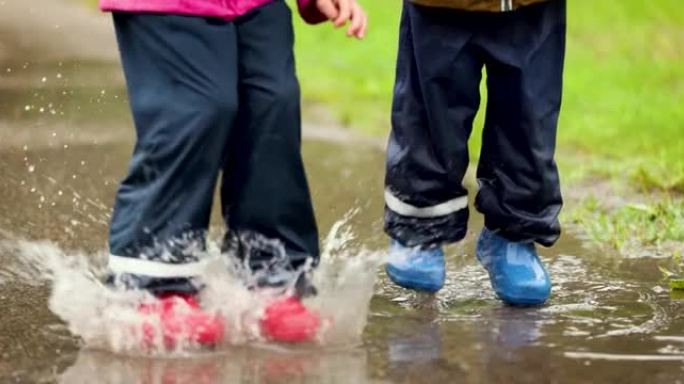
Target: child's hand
(341, 11)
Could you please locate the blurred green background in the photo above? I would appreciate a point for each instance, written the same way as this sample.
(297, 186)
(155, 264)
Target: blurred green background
(624, 81)
(622, 121)
(621, 133)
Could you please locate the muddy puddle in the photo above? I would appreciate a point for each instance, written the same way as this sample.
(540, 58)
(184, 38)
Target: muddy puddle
(65, 138)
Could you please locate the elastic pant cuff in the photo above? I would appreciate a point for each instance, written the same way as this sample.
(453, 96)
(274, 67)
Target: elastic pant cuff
(415, 231)
(261, 253)
(545, 235)
(154, 285)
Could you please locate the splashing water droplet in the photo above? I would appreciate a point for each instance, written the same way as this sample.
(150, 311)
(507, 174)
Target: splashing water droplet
(108, 318)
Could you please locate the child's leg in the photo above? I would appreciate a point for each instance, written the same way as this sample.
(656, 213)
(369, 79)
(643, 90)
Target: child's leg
(265, 190)
(182, 83)
(519, 185)
(436, 96)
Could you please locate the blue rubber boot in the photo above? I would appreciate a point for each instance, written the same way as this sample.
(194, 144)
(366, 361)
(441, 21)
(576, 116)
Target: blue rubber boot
(517, 275)
(416, 268)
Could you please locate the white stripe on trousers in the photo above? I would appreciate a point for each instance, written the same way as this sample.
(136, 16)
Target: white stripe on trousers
(121, 264)
(442, 209)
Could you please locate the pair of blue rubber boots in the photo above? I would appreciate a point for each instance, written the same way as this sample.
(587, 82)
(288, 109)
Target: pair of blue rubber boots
(516, 273)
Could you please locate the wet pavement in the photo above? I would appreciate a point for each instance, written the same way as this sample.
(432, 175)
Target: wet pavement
(65, 138)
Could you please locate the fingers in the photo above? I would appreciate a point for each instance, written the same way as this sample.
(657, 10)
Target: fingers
(328, 8)
(339, 12)
(359, 22)
(344, 7)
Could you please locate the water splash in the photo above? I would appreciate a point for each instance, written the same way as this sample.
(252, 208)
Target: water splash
(109, 319)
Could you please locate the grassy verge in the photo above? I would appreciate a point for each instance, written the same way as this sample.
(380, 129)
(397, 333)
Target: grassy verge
(623, 110)
(653, 229)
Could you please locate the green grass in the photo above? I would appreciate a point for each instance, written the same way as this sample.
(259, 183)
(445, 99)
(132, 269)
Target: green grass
(633, 227)
(624, 83)
(623, 103)
(353, 78)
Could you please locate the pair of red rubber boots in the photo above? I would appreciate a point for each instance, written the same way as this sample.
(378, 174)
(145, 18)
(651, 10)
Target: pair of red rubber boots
(179, 318)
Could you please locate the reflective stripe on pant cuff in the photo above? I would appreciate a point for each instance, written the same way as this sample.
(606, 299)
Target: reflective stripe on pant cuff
(121, 264)
(442, 209)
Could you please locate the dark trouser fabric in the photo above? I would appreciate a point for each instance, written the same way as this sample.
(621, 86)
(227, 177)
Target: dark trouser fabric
(208, 96)
(441, 56)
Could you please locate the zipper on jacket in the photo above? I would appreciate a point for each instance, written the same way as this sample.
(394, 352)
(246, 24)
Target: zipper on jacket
(506, 5)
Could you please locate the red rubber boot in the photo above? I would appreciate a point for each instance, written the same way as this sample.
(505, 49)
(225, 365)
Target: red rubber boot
(289, 321)
(180, 319)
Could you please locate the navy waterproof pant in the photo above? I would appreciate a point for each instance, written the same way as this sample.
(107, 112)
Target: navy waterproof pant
(441, 56)
(210, 97)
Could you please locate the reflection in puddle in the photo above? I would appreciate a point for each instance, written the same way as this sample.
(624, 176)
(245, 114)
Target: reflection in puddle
(422, 345)
(232, 366)
(622, 357)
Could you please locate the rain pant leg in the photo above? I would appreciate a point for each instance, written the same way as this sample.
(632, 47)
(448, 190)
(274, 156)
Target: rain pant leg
(181, 74)
(436, 96)
(185, 90)
(520, 194)
(264, 187)
(441, 55)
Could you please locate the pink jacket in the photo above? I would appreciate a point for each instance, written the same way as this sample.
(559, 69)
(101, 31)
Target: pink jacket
(224, 9)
